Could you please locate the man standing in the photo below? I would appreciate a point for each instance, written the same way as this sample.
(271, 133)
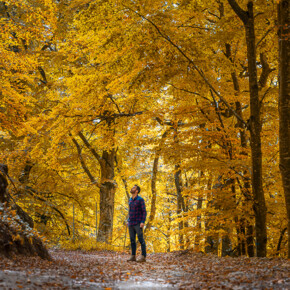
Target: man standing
(136, 221)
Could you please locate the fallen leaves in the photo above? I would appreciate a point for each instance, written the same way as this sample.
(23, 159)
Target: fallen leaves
(109, 270)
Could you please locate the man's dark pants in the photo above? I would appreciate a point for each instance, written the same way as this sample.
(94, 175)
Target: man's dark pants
(133, 230)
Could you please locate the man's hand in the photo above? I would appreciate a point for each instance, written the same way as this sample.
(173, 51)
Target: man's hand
(141, 225)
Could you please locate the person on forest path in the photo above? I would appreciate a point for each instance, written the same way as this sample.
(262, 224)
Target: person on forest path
(136, 221)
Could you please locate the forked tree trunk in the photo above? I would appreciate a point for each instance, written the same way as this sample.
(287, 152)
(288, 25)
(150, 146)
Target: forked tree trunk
(284, 104)
(107, 188)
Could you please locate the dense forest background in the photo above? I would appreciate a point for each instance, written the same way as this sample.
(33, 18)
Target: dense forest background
(188, 99)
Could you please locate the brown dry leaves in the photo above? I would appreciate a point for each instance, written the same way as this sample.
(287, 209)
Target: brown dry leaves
(100, 270)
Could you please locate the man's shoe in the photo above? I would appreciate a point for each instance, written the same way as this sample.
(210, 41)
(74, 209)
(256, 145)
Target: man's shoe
(132, 259)
(142, 259)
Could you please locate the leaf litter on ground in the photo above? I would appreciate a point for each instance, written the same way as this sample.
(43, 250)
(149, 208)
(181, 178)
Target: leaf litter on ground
(107, 269)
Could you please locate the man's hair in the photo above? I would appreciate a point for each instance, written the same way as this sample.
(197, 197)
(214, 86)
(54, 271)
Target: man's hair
(138, 188)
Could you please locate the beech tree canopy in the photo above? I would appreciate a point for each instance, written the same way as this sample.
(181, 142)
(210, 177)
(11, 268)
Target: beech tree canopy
(188, 99)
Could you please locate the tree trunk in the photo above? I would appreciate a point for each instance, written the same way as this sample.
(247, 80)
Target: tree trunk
(107, 190)
(255, 130)
(107, 196)
(255, 127)
(241, 223)
(153, 192)
(197, 245)
(153, 183)
(280, 241)
(284, 104)
(169, 229)
(3, 183)
(179, 204)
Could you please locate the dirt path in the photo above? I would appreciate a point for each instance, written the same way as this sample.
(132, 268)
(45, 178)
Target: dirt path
(109, 270)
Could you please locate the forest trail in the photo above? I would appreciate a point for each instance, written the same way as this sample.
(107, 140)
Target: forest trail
(109, 270)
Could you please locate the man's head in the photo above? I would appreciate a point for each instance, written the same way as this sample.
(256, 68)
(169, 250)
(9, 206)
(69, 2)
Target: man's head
(135, 189)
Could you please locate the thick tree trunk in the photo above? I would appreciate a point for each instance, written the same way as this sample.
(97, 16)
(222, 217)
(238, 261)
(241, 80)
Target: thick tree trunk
(249, 223)
(255, 127)
(107, 196)
(284, 104)
(107, 189)
(255, 130)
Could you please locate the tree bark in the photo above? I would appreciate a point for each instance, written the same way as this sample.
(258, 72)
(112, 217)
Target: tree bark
(107, 190)
(3, 183)
(153, 183)
(153, 192)
(284, 104)
(107, 196)
(179, 204)
(255, 127)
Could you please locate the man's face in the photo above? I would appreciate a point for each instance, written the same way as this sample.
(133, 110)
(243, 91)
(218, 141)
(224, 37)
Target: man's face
(134, 190)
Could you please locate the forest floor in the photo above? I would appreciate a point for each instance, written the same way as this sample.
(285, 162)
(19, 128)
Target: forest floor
(110, 270)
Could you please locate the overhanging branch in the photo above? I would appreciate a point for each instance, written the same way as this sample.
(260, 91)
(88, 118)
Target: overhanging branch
(200, 72)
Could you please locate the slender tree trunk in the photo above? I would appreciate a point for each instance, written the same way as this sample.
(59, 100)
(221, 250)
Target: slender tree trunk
(280, 241)
(284, 104)
(241, 237)
(240, 222)
(179, 204)
(197, 245)
(180, 200)
(212, 238)
(169, 229)
(153, 183)
(153, 192)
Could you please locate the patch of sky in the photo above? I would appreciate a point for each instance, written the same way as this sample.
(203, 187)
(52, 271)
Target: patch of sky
(96, 121)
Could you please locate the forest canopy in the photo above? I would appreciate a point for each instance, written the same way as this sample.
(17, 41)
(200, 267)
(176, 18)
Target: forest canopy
(188, 99)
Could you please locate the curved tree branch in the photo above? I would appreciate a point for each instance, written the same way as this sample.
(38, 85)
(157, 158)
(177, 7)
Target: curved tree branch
(200, 72)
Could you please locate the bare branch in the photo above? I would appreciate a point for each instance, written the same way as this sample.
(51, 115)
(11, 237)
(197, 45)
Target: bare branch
(201, 73)
(112, 99)
(264, 36)
(84, 166)
(88, 145)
